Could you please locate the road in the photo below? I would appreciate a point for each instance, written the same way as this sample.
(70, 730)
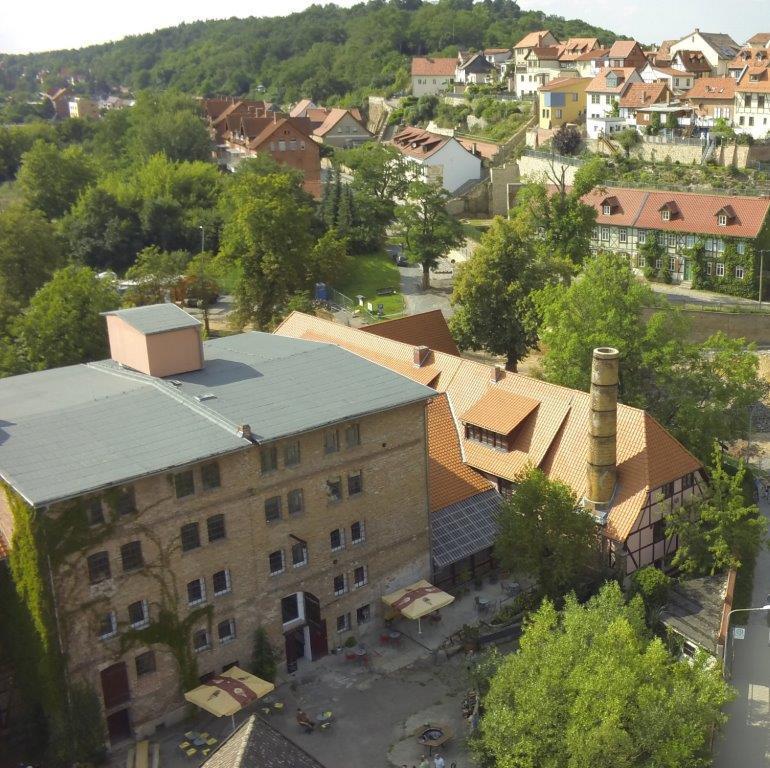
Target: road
(745, 740)
(678, 295)
(436, 297)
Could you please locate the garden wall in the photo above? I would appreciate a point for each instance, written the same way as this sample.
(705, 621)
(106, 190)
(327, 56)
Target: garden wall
(752, 326)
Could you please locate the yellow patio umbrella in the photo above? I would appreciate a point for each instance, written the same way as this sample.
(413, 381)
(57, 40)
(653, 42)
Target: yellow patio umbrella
(228, 693)
(418, 600)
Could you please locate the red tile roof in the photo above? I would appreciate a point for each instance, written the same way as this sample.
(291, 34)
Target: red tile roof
(622, 49)
(754, 80)
(704, 88)
(548, 53)
(418, 143)
(761, 38)
(599, 83)
(750, 57)
(576, 46)
(695, 213)
(554, 436)
(693, 61)
(596, 53)
(499, 411)
(532, 39)
(333, 117)
(275, 125)
(576, 82)
(422, 67)
(426, 329)
(644, 94)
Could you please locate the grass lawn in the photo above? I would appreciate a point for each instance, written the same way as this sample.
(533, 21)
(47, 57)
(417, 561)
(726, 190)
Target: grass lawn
(368, 273)
(475, 228)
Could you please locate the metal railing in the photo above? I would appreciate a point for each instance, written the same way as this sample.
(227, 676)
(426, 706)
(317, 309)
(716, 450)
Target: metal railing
(554, 156)
(701, 189)
(670, 139)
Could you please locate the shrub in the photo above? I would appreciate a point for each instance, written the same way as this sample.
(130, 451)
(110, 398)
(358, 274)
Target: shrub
(263, 660)
(566, 140)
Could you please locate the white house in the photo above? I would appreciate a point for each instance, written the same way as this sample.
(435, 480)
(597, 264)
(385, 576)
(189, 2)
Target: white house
(677, 80)
(438, 158)
(540, 65)
(752, 102)
(717, 48)
(604, 91)
(476, 69)
(591, 63)
(432, 76)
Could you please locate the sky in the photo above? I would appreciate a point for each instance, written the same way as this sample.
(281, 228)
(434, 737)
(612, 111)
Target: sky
(53, 24)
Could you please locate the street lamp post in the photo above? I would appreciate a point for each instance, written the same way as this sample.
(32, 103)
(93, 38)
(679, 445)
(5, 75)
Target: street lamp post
(202, 300)
(761, 271)
(765, 607)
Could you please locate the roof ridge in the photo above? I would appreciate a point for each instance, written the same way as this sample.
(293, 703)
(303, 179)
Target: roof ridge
(170, 391)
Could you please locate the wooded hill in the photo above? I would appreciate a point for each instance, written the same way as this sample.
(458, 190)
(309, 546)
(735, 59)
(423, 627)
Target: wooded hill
(328, 53)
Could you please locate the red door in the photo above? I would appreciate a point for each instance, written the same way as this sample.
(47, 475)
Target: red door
(115, 690)
(318, 644)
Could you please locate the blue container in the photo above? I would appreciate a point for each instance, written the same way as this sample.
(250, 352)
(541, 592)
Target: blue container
(321, 292)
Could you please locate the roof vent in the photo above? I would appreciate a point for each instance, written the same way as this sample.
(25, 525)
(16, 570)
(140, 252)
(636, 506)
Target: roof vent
(205, 396)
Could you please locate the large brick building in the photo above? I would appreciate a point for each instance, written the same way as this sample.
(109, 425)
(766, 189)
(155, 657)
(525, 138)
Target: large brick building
(212, 489)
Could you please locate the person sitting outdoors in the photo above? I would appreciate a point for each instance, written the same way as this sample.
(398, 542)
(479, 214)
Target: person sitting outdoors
(304, 721)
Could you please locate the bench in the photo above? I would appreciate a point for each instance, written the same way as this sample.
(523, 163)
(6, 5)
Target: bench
(143, 755)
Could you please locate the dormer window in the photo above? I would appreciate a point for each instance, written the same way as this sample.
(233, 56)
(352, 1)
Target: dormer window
(665, 214)
(607, 210)
(486, 436)
(722, 219)
(495, 418)
(725, 215)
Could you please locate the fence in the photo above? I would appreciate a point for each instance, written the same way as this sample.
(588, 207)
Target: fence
(669, 139)
(702, 189)
(341, 301)
(553, 156)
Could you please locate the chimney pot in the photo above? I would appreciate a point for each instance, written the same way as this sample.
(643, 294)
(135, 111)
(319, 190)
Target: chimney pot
(244, 431)
(602, 427)
(498, 372)
(420, 356)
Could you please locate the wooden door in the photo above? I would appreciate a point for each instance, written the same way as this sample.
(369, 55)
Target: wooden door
(119, 726)
(115, 689)
(318, 644)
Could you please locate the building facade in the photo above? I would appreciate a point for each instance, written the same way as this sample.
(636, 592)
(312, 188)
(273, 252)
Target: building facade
(752, 102)
(431, 76)
(563, 101)
(201, 528)
(603, 96)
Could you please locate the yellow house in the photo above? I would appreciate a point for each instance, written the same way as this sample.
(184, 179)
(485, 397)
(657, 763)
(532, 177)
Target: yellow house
(563, 101)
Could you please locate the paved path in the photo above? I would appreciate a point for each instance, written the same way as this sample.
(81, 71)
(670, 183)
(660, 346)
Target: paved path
(436, 297)
(745, 741)
(679, 295)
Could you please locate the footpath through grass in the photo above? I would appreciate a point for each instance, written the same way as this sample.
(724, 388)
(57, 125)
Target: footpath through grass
(368, 274)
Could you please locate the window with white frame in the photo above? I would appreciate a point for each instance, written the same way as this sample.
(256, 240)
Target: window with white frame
(343, 622)
(690, 241)
(671, 240)
(108, 626)
(357, 533)
(720, 246)
(200, 640)
(605, 233)
(665, 214)
(340, 584)
(298, 554)
(337, 539)
(709, 267)
(607, 210)
(740, 272)
(720, 269)
(741, 247)
(226, 631)
(623, 235)
(658, 263)
(275, 562)
(196, 592)
(642, 236)
(222, 583)
(359, 577)
(138, 615)
(722, 220)
(672, 263)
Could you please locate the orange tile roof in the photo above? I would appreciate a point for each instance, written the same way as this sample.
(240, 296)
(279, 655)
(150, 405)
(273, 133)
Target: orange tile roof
(748, 57)
(755, 80)
(532, 39)
(333, 117)
(554, 438)
(693, 61)
(644, 94)
(577, 46)
(721, 88)
(428, 329)
(599, 83)
(449, 479)
(622, 49)
(416, 142)
(425, 67)
(761, 38)
(596, 53)
(301, 107)
(499, 411)
(580, 83)
(696, 213)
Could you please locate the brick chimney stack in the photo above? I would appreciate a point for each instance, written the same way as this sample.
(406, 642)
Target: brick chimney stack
(602, 427)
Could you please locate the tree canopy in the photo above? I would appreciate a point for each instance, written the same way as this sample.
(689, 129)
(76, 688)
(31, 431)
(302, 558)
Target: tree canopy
(590, 689)
(544, 532)
(699, 392)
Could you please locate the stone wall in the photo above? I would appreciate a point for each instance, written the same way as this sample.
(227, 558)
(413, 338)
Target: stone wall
(395, 552)
(475, 202)
(500, 178)
(535, 168)
(752, 326)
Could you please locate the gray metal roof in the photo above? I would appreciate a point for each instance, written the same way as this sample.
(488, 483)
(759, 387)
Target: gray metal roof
(79, 429)
(464, 528)
(155, 318)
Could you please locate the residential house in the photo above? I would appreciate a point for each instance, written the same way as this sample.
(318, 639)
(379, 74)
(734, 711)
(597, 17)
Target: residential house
(431, 76)
(500, 58)
(712, 98)
(677, 80)
(591, 63)
(718, 50)
(498, 423)
(575, 47)
(626, 53)
(563, 101)
(540, 39)
(731, 228)
(747, 57)
(60, 98)
(693, 62)
(83, 107)
(539, 66)
(752, 102)
(603, 100)
(638, 97)
(343, 128)
(300, 109)
(221, 112)
(215, 487)
(476, 69)
(760, 40)
(662, 56)
(438, 158)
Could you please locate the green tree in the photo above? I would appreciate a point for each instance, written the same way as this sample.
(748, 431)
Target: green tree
(158, 273)
(428, 230)
(267, 234)
(544, 532)
(654, 126)
(653, 586)
(263, 660)
(52, 179)
(589, 688)
(628, 138)
(328, 260)
(566, 140)
(493, 295)
(699, 392)
(63, 324)
(720, 531)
